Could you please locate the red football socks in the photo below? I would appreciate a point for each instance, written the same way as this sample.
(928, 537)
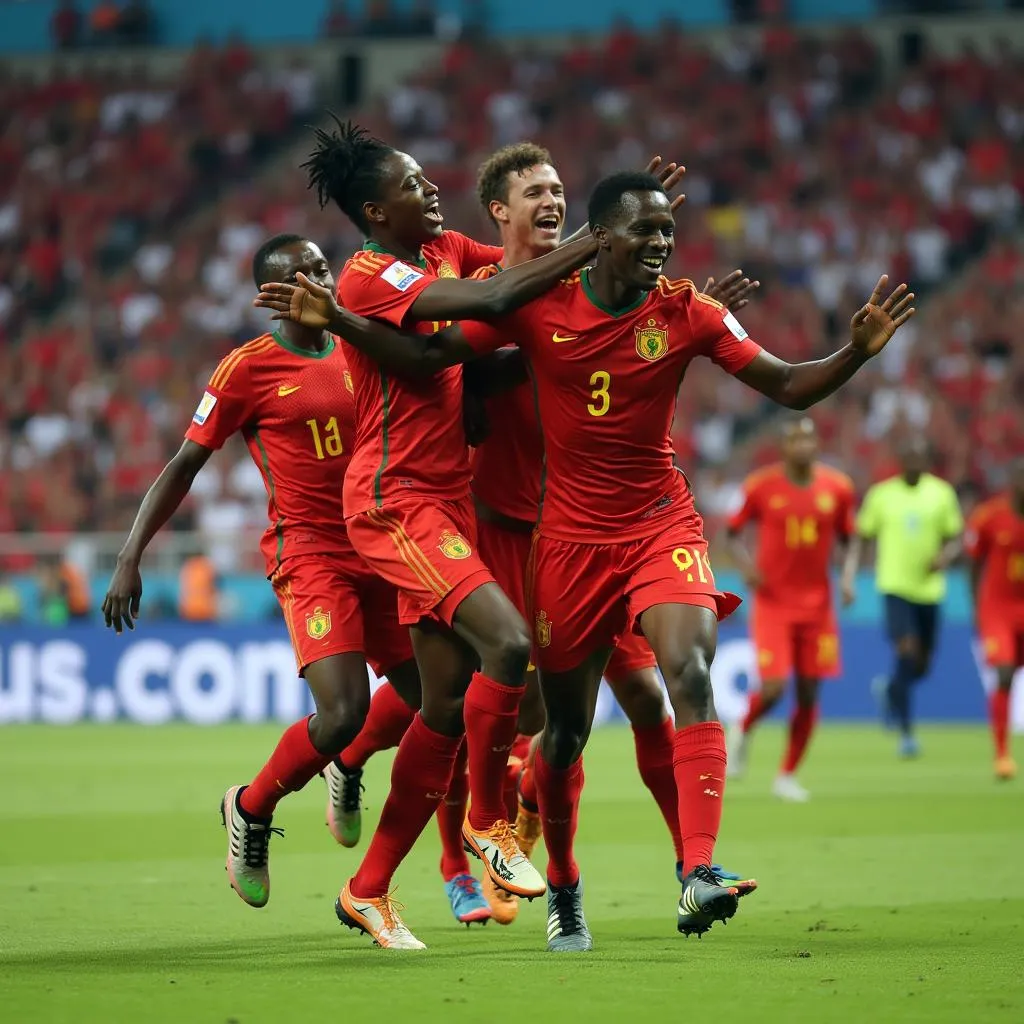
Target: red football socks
(559, 792)
(654, 757)
(386, 721)
(755, 710)
(521, 746)
(292, 764)
(999, 717)
(699, 762)
(511, 791)
(420, 778)
(491, 711)
(528, 780)
(451, 816)
(801, 725)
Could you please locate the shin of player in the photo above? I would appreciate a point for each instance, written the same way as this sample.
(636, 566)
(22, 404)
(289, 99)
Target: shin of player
(995, 545)
(802, 510)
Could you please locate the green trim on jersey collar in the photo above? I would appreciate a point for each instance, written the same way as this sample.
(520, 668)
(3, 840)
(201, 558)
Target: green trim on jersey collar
(377, 247)
(306, 353)
(589, 292)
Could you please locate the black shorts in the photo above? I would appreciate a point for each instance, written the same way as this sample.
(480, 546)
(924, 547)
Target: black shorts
(905, 618)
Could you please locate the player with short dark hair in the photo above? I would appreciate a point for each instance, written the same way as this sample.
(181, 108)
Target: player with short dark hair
(520, 190)
(619, 541)
(995, 544)
(803, 510)
(915, 518)
(409, 512)
(289, 394)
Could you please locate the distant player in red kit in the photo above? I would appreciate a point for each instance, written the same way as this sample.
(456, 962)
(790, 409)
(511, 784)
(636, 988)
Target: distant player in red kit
(995, 545)
(620, 543)
(289, 394)
(803, 510)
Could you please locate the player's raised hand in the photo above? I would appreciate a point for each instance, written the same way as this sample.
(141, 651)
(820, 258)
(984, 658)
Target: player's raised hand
(669, 175)
(121, 605)
(876, 322)
(734, 291)
(305, 302)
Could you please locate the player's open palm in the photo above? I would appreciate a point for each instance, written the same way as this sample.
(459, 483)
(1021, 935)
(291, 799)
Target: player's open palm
(305, 302)
(670, 175)
(121, 605)
(876, 322)
(734, 291)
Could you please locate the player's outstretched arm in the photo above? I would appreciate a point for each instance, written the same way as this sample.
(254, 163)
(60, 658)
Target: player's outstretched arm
(121, 605)
(801, 385)
(403, 352)
(741, 556)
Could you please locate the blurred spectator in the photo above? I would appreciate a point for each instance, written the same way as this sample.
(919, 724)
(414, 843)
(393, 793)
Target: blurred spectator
(63, 591)
(104, 23)
(10, 602)
(136, 23)
(337, 22)
(66, 25)
(197, 590)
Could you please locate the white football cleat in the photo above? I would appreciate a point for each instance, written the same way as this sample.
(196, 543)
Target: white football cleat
(785, 787)
(737, 750)
(378, 918)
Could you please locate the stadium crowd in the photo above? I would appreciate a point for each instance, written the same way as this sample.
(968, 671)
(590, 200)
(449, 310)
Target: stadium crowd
(809, 165)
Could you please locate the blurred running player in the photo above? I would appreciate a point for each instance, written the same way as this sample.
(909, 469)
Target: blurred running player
(523, 195)
(803, 510)
(619, 541)
(995, 544)
(289, 394)
(915, 518)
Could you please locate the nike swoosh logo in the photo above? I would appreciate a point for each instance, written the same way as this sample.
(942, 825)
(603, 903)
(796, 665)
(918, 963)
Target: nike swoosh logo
(559, 338)
(708, 775)
(283, 391)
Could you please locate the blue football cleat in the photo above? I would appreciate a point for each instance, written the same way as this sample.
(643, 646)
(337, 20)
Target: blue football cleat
(467, 900)
(909, 748)
(729, 876)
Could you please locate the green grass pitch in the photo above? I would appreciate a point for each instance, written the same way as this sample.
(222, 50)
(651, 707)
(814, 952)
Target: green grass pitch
(896, 894)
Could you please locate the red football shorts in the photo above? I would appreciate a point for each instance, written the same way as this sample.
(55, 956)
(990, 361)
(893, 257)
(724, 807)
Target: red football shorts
(425, 547)
(506, 553)
(1002, 635)
(788, 644)
(584, 597)
(335, 604)
(632, 653)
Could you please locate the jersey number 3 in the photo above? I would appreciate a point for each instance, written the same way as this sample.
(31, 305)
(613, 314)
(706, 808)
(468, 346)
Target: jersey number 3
(328, 441)
(600, 381)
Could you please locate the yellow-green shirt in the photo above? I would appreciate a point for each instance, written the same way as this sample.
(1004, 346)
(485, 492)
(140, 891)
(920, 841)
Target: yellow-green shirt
(911, 524)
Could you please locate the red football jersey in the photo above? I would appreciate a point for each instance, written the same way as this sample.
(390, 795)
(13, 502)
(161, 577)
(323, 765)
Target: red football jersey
(507, 465)
(995, 536)
(409, 433)
(294, 408)
(797, 527)
(606, 383)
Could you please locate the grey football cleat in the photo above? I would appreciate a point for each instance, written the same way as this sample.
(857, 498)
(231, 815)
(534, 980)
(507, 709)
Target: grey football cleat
(706, 900)
(567, 927)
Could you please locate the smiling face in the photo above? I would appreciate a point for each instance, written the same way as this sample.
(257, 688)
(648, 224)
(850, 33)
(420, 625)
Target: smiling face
(534, 213)
(408, 206)
(638, 238)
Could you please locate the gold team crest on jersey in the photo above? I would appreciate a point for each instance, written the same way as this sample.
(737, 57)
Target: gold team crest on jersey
(777, 501)
(446, 270)
(318, 625)
(453, 545)
(543, 630)
(347, 377)
(651, 341)
(764, 658)
(826, 503)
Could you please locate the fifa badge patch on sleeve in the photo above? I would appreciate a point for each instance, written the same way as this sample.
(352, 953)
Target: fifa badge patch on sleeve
(205, 407)
(400, 276)
(734, 326)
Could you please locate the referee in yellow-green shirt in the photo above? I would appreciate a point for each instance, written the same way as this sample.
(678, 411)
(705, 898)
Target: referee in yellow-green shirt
(916, 521)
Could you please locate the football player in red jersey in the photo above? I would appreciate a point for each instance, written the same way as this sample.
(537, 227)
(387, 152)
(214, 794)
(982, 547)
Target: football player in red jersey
(619, 541)
(995, 545)
(803, 510)
(521, 192)
(289, 394)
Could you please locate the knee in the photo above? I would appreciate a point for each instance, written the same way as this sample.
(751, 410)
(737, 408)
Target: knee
(564, 740)
(509, 654)
(688, 678)
(338, 723)
(806, 693)
(643, 704)
(443, 713)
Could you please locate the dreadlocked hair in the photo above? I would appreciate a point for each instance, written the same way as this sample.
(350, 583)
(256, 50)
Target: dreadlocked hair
(344, 168)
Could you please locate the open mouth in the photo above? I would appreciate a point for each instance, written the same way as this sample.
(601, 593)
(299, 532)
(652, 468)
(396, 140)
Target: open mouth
(655, 264)
(432, 212)
(549, 224)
